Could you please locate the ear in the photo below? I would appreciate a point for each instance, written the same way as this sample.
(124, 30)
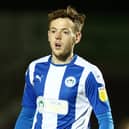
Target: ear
(78, 37)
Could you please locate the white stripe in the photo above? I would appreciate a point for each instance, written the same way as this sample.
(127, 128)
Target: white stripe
(91, 68)
(51, 91)
(31, 73)
(82, 105)
(35, 119)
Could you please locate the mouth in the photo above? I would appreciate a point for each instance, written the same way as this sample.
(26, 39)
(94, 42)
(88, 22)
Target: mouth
(57, 45)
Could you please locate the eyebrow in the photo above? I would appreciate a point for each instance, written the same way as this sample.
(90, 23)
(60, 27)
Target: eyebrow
(61, 28)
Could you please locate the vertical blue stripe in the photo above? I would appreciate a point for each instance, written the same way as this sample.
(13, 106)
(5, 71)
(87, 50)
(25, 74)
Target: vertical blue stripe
(69, 93)
(39, 119)
(92, 93)
(41, 71)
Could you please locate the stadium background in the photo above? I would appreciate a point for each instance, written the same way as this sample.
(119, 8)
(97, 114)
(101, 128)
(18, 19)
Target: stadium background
(105, 42)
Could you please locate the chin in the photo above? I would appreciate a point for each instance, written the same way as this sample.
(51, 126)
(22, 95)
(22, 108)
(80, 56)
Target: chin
(58, 54)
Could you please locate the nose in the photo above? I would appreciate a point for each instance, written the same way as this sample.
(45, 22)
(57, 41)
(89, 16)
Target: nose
(58, 35)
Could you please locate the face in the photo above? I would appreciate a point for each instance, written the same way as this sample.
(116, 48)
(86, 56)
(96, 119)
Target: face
(62, 37)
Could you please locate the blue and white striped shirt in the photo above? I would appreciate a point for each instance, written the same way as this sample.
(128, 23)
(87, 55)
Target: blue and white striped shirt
(64, 96)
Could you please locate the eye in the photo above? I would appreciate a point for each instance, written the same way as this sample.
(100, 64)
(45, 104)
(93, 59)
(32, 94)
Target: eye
(66, 32)
(53, 31)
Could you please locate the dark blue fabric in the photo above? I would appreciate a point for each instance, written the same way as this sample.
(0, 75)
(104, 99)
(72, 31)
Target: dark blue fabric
(99, 107)
(25, 119)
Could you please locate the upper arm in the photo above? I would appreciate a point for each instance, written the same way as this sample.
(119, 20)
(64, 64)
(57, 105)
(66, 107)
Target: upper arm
(29, 96)
(97, 94)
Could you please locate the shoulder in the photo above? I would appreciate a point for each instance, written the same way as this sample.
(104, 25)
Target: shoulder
(86, 64)
(31, 67)
(90, 68)
(39, 60)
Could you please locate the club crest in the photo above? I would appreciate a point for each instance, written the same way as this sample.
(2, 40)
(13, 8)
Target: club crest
(70, 81)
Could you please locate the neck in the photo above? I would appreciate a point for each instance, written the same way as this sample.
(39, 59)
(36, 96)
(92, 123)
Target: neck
(62, 59)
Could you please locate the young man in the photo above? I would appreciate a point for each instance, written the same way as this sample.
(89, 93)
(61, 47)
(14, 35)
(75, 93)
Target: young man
(62, 89)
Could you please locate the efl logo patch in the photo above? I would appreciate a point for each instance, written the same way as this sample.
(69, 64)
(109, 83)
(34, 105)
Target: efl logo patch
(102, 94)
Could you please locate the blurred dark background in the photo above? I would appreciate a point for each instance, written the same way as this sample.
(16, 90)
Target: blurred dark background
(105, 42)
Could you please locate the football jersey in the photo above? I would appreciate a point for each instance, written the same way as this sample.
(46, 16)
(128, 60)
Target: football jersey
(64, 95)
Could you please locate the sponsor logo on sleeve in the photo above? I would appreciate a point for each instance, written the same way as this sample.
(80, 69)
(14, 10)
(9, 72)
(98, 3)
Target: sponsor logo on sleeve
(102, 94)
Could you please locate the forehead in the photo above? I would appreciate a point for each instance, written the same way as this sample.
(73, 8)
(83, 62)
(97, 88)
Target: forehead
(62, 23)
